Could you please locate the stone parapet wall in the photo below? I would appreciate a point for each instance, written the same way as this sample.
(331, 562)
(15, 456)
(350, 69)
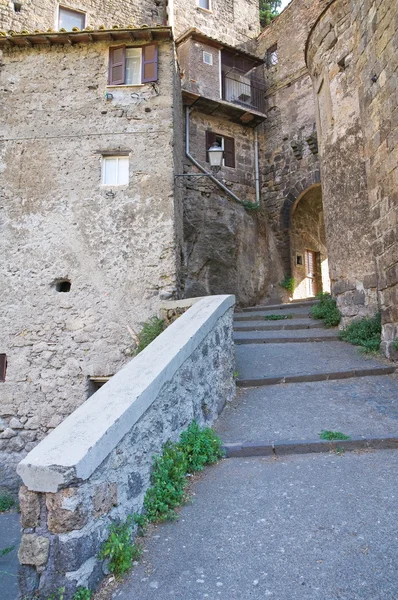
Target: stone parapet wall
(95, 467)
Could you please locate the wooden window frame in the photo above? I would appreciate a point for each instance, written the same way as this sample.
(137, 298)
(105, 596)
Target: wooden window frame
(272, 51)
(69, 10)
(208, 10)
(148, 62)
(3, 367)
(106, 157)
(229, 153)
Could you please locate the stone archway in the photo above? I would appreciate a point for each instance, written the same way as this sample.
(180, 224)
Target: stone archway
(308, 252)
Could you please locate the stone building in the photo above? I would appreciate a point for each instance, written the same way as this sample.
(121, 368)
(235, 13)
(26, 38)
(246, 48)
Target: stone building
(108, 203)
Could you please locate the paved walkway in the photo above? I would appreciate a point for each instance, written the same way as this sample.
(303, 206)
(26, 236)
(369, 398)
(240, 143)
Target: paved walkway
(297, 520)
(9, 542)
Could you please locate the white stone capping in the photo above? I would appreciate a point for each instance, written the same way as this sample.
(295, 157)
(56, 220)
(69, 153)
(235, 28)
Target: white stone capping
(84, 439)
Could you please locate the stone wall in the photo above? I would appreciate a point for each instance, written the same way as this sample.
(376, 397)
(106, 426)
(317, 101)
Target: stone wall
(234, 22)
(348, 222)
(227, 248)
(71, 496)
(43, 14)
(352, 58)
(116, 245)
(375, 28)
(290, 162)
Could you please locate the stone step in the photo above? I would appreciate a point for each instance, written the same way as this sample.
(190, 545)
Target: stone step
(240, 450)
(286, 306)
(273, 363)
(260, 316)
(288, 324)
(285, 336)
(366, 407)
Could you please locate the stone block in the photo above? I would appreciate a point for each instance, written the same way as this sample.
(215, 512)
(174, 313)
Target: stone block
(69, 555)
(28, 581)
(33, 550)
(104, 498)
(30, 507)
(63, 520)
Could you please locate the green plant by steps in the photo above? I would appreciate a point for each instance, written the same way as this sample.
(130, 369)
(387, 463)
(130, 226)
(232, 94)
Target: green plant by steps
(6, 502)
(288, 283)
(365, 333)
(326, 310)
(278, 317)
(326, 434)
(150, 330)
(118, 548)
(197, 447)
(168, 481)
(395, 344)
(82, 593)
(58, 595)
(200, 447)
(6, 551)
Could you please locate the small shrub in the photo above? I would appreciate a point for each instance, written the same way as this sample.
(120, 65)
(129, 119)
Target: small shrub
(6, 502)
(119, 549)
(326, 310)
(278, 317)
(333, 435)
(200, 447)
(196, 448)
(168, 483)
(364, 332)
(288, 283)
(82, 593)
(150, 331)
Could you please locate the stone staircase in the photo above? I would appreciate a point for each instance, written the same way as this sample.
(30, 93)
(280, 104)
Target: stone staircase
(298, 378)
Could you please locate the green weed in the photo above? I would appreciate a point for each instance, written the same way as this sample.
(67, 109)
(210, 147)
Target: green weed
(395, 344)
(82, 593)
(333, 435)
(326, 310)
(119, 549)
(58, 595)
(196, 448)
(6, 551)
(150, 331)
(364, 332)
(6, 502)
(168, 481)
(278, 317)
(288, 283)
(236, 374)
(200, 447)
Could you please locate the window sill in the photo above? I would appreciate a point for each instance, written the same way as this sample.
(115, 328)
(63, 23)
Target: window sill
(126, 85)
(205, 10)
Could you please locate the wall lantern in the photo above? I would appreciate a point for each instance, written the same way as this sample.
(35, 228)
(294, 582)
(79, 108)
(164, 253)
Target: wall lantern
(216, 155)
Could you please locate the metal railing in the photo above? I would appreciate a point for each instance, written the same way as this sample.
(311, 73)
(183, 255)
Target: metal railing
(244, 89)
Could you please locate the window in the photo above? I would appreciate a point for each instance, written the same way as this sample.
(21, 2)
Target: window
(226, 143)
(272, 56)
(115, 170)
(67, 19)
(133, 65)
(207, 58)
(3, 367)
(204, 4)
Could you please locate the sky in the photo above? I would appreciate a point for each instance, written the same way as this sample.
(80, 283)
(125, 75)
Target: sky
(284, 4)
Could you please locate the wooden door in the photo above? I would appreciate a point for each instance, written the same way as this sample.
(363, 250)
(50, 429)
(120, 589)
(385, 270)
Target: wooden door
(310, 272)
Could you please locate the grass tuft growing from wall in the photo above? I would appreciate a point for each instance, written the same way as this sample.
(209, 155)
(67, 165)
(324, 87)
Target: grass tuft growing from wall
(6, 502)
(150, 331)
(326, 310)
(364, 332)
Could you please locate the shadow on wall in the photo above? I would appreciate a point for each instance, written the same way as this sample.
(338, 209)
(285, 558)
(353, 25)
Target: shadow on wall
(309, 258)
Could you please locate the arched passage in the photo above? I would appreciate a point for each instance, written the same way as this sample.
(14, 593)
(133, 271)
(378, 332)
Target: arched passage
(308, 244)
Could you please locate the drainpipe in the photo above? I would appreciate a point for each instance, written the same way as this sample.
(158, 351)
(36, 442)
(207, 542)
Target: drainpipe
(249, 205)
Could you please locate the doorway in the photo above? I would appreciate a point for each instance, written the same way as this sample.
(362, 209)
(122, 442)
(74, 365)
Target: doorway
(308, 245)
